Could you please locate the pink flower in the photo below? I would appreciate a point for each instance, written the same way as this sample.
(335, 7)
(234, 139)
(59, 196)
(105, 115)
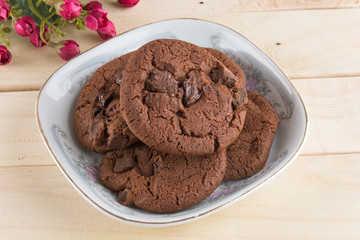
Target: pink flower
(5, 55)
(4, 10)
(92, 5)
(67, 49)
(24, 26)
(217, 194)
(96, 19)
(69, 9)
(35, 37)
(251, 84)
(128, 3)
(92, 172)
(107, 32)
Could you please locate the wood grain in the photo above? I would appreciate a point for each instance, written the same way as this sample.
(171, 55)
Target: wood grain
(20, 141)
(334, 116)
(308, 201)
(212, 7)
(305, 44)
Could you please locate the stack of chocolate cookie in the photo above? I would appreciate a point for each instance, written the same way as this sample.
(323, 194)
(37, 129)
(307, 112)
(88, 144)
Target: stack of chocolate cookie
(173, 120)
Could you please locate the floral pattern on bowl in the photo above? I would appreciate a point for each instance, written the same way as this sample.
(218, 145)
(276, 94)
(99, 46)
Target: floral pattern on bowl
(56, 101)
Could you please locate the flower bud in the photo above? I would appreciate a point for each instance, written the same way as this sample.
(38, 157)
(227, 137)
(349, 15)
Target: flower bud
(92, 5)
(96, 19)
(5, 55)
(4, 10)
(24, 26)
(35, 37)
(67, 49)
(107, 32)
(69, 9)
(128, 3)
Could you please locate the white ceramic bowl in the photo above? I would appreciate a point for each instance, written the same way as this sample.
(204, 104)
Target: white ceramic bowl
(57, 97)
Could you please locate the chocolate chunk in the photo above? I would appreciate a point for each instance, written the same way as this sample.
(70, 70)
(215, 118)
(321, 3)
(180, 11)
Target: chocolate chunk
(192, 93)
(104, 99)
(119, 77)
(157, 164)
(161, 81)
(98, 132)
(124, 163)
(223, 75)
(101, 98)
(181, 114)
(214, 75)
(125, 198)
(116, 141)
(96, 110)
(239, 96)
(119, 137)
(131, 138)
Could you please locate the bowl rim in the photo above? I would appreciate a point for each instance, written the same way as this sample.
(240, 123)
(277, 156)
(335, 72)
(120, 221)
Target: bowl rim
(183, 220)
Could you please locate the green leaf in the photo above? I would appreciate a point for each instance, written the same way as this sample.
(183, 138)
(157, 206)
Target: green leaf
(7, 30)
(43, 9)
(7, 43)
(79, 24)
(48, 34)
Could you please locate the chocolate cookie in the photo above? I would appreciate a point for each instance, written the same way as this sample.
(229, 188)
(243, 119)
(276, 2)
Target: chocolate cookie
(249, 153)
(97, 119)
(230, 64)
(160, 182)
(177, 98)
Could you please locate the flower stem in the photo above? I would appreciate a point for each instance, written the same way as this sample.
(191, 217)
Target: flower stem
(5, 39)
(33, 9)
(51, 44)
(42, 29)
(45, 20)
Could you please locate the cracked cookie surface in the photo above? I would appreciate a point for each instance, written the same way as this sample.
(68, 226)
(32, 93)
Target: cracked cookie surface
(161, 182)
(97, 119)
(250, 151)
(230, 64)
(177, 98)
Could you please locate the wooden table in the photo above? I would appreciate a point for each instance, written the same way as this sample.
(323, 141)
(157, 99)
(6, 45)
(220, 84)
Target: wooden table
(316, 43)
